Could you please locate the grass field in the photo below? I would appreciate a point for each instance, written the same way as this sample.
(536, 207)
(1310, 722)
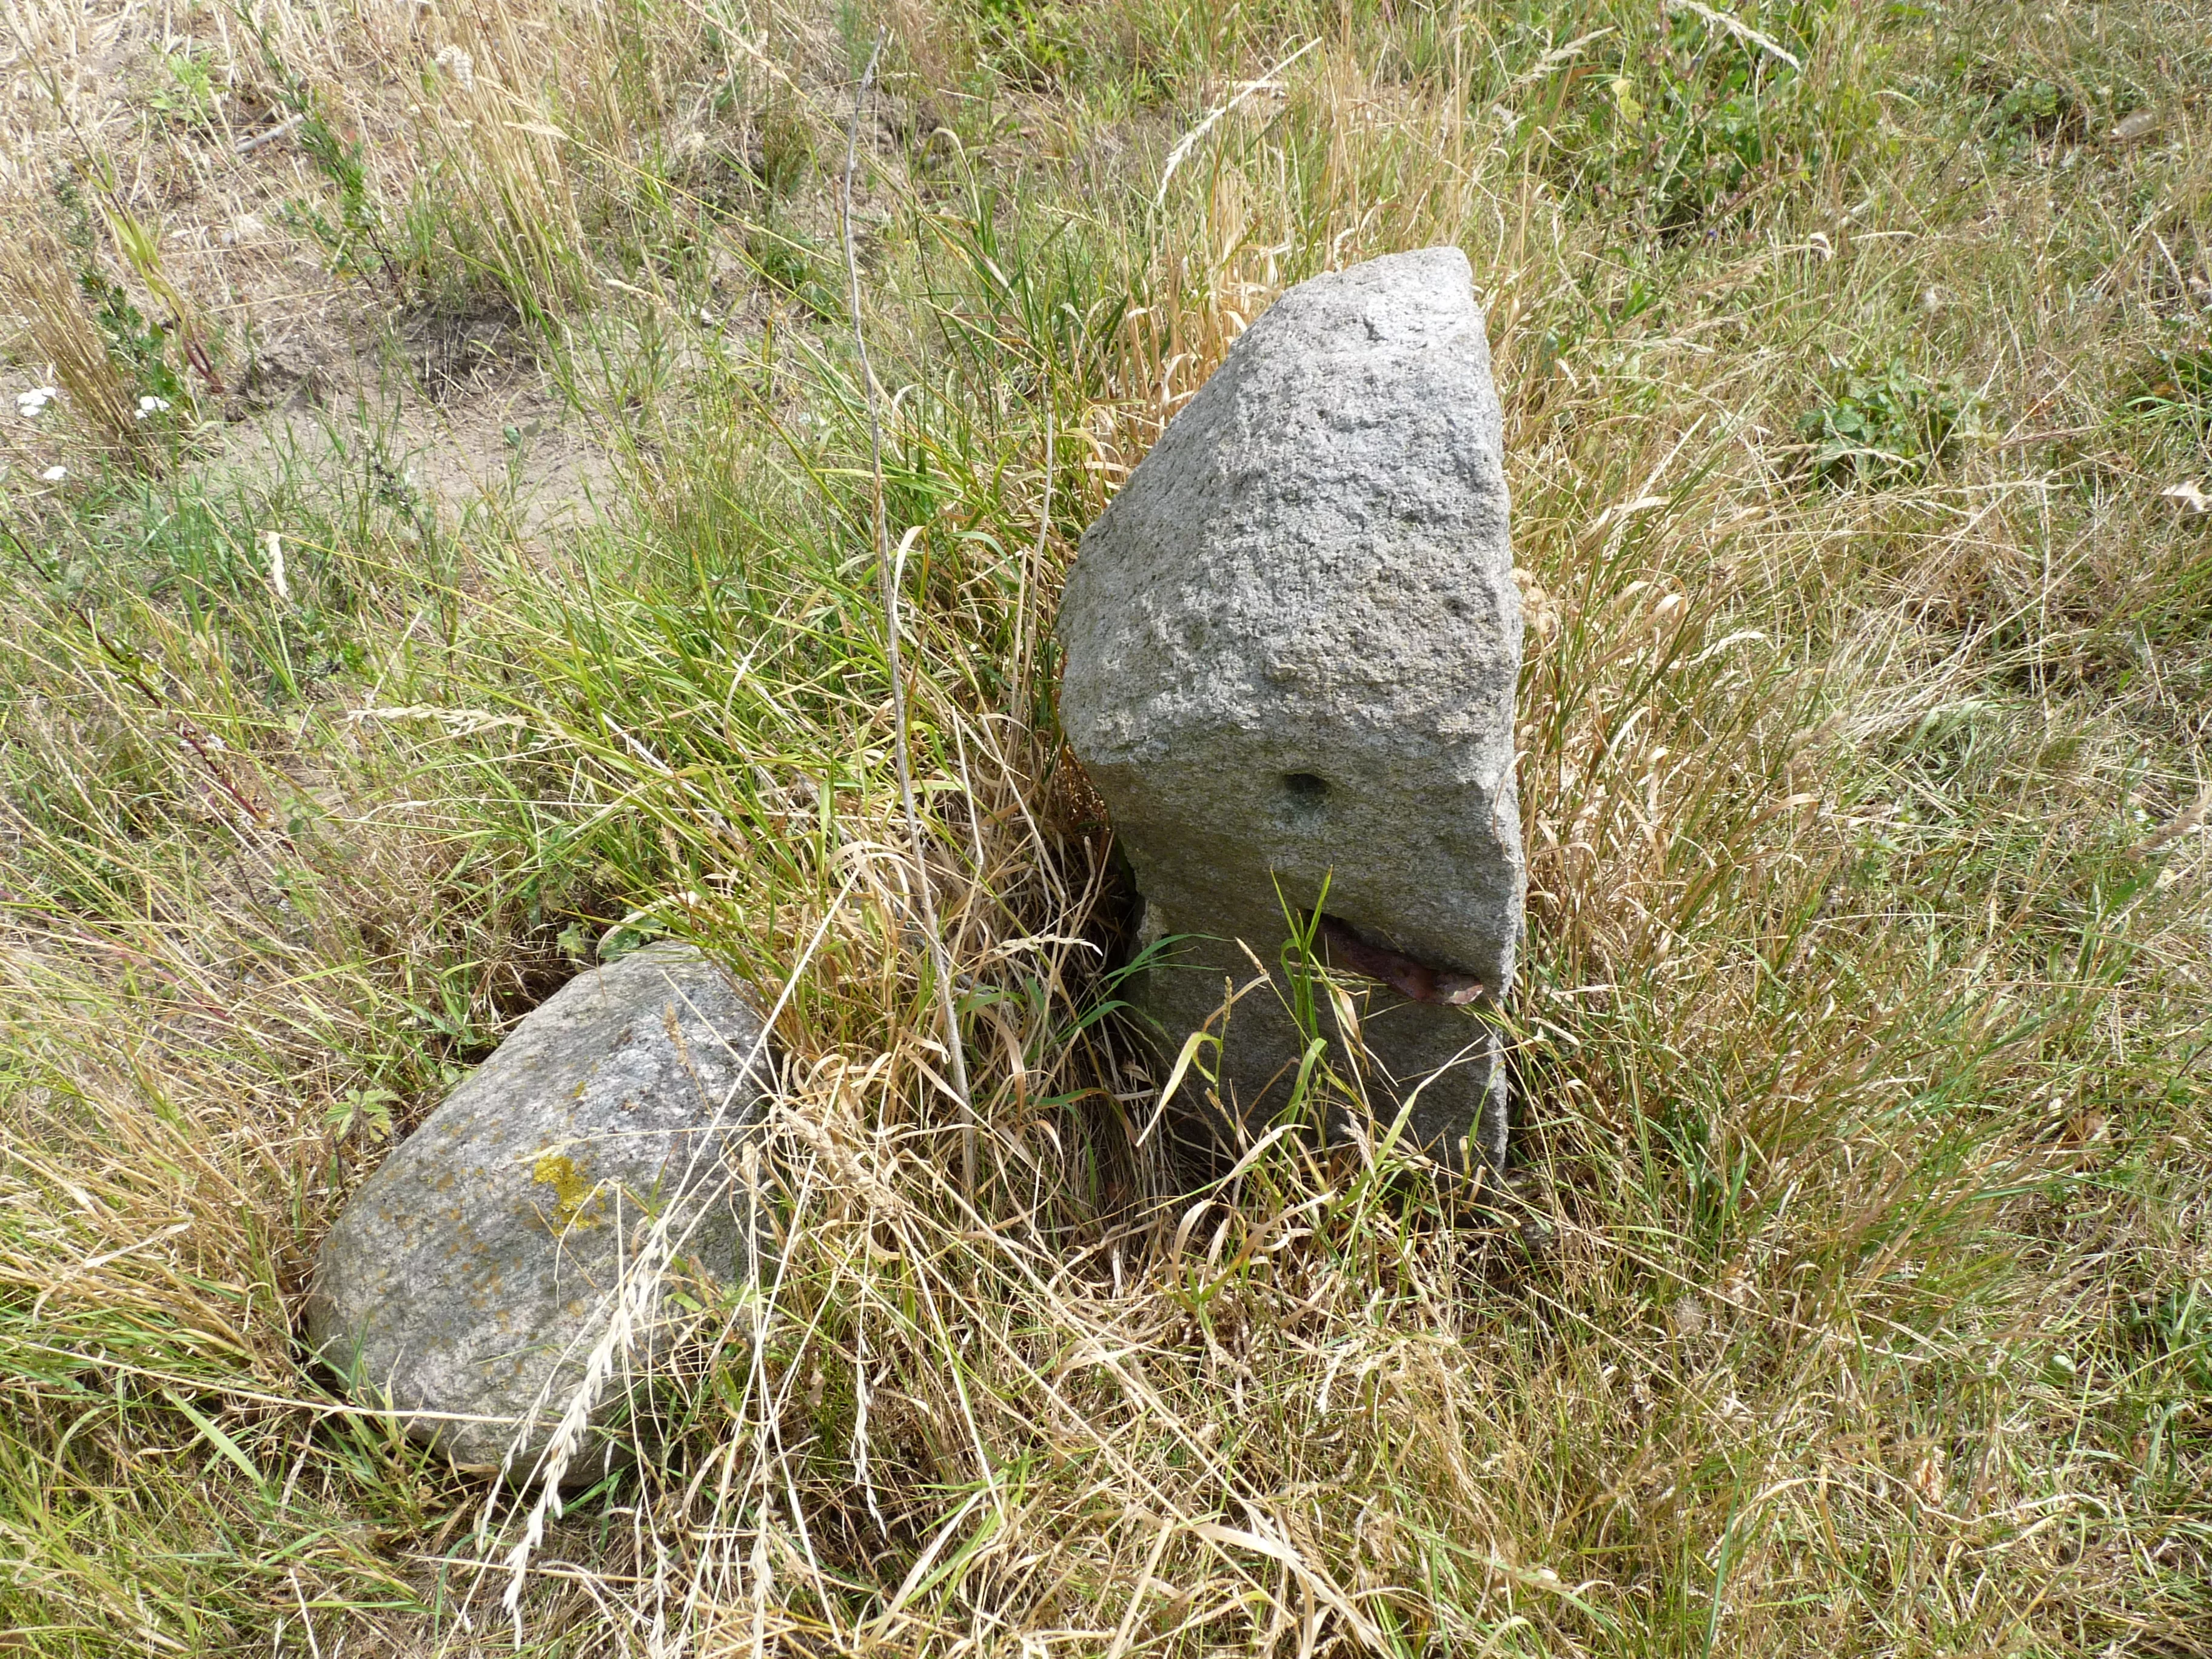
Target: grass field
(450, 554)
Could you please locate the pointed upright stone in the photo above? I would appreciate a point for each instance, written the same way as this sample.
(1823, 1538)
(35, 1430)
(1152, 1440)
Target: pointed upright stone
(1291, 646)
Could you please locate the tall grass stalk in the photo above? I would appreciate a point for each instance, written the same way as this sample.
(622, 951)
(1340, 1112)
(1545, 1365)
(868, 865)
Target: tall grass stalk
(888, 569)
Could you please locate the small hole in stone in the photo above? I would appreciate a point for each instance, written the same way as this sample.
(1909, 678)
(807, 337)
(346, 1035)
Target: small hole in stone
(1306, 791)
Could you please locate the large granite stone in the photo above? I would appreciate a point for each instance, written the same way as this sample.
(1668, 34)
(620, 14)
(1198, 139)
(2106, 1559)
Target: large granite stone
(1291, 645)
(472, 1274)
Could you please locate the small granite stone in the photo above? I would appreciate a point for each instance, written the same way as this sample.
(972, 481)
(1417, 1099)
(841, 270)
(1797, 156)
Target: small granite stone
(470, 1274)
(1291, 649)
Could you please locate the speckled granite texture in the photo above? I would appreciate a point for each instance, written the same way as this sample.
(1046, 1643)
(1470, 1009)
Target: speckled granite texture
(468, 1279)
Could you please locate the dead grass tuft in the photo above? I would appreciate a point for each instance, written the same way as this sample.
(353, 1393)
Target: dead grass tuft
(1851, 1295)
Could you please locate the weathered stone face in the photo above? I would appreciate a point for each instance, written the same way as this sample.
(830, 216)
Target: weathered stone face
(471, 1273)
(1291, 648)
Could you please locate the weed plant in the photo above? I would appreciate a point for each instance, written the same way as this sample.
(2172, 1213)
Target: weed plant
(1853, 1293)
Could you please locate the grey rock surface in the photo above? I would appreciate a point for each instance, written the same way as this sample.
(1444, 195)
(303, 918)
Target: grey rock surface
(472, 1274)
(1291, 646)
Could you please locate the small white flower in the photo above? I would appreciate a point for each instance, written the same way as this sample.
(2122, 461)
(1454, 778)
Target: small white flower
(55, 474)
(149, 407)
(31, 403)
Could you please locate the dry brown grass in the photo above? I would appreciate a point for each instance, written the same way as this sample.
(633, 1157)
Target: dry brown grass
(1851, 1295)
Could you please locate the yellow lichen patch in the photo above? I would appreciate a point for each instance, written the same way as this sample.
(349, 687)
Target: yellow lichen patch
(574, 1192)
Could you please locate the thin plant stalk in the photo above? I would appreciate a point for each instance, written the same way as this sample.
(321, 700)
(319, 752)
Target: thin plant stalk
(940, 958)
